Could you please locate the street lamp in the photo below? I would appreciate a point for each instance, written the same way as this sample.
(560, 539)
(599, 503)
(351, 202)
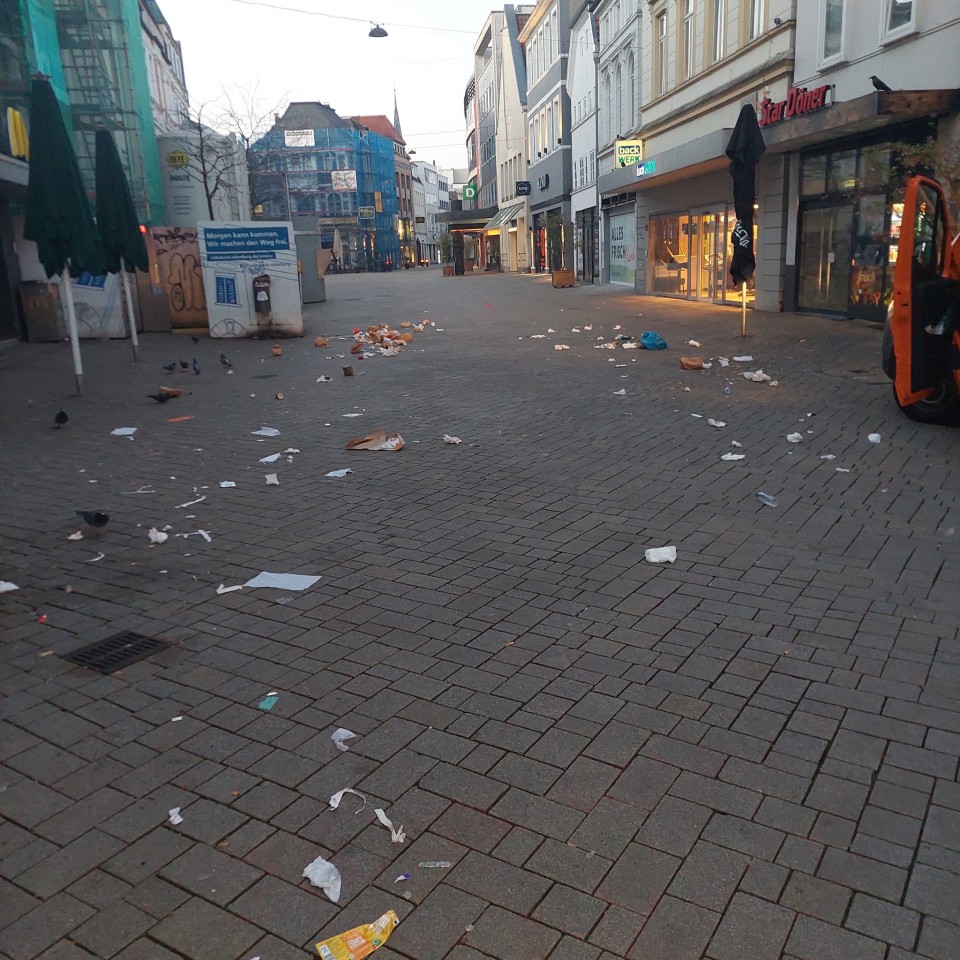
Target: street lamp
(377, 31)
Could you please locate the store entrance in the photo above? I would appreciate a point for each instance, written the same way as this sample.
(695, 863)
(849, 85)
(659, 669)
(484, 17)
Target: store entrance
(826, 229)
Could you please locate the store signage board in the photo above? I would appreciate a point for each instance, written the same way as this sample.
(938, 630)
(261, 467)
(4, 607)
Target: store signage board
(799, 101)
(628, 151)
(646, 168)
(524, 188)
(367, 213)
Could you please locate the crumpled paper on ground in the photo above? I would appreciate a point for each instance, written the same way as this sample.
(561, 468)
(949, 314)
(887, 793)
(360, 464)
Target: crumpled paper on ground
(323, 874)
(173, 816)
(359, 942)
(660, 554)
(378, 440)
(282, 581)
(452, 440)
(396, 833)
(340, 735)
(157, 536)
(338, 796)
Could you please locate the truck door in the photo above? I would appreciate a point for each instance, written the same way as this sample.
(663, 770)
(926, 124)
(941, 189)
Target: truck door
(926, 298)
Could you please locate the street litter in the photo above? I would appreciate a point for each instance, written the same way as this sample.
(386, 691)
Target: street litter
(719, 424)
(551, 330)
(157, 536)
(588, 326)
(227, 483)
(76, 536)
(353, 414)
(273, 458)
(574, 329)
(272, 480)
(7, 587)
(827, 456)
(282, 581)
(757, 376)
(359, 942)
(98, 557)
(266, 432)
(174, 816)
(536, 336)
(743, 359)
(269, 701)
(378, 440)
(652, 340)
(660, 554)
(633, 345)
(323, 874)
(321, 342)
(347, 371)
(340, 735)
(794, 437)
(699, 416)
(339, 474)
(191, 503)
(560, 346)
(222, 589)
(733, 456)
(324, 379)
(843, 469)
(432, 864)
(196, 533)
(403, 876)
(723, 361)
(338, 796)
(694, 343)
(618, 327)
(396, 833)
(766, 499)
(620, 393)
(451, 440)
(706, 365)
(133, 493)
(123, 432)
(874, 437)
(735, 443)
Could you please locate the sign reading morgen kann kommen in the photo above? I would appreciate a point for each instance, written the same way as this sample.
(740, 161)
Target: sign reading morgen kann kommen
(235, 255)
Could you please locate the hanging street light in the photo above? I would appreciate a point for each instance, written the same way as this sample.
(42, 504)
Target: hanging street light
(377, 31)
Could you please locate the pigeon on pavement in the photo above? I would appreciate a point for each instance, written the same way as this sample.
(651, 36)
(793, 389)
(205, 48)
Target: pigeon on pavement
(160, 397)
(61, 418)
(224, 362)
(196, 367)
(96, 518)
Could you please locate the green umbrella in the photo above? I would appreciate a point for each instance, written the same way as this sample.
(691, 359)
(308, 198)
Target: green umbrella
(58, 217)
(117, 221)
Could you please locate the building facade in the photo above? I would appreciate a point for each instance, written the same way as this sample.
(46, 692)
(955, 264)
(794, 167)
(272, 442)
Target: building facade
(546, 39)
(582, 86)
(342, 176)
(168, 89)
(434, 188)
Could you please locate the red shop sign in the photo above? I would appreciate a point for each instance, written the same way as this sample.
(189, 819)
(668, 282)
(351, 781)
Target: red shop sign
(799, 101)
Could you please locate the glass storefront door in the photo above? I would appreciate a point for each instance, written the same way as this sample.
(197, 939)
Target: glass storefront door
(824, 267)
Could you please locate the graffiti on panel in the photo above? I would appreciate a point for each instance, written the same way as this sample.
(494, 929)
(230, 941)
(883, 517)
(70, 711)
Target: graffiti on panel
(179, 273)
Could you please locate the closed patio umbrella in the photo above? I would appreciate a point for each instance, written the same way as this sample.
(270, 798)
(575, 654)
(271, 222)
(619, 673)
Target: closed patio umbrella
(58, 216)
(745, 149)
(123, 245)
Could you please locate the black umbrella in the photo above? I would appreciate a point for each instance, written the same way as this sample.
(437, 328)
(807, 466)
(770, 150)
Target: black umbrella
(745, 148)
(58, 217)
(117, 221)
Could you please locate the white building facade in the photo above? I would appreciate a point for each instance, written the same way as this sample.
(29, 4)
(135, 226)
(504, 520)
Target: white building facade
(432, 184)
(582, 87)
(168, 90)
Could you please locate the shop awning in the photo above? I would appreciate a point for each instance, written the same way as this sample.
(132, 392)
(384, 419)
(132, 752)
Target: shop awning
(504, 216)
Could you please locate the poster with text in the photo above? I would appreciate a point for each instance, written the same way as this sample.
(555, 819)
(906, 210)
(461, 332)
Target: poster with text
(250, 279)
(343, 180)
(622, 248)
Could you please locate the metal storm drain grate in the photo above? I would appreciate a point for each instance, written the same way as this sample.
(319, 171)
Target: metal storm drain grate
(116, 652)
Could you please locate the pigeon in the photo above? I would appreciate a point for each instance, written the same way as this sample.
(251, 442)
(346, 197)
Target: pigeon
(224, 362)
(96, 518)
(196, 367)
(184, 365)
(160, 397)
(61, 418)
(170, 367)
(195, 339)
(878, 84)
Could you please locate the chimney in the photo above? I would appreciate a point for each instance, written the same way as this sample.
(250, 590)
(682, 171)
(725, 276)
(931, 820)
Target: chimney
(276, 118)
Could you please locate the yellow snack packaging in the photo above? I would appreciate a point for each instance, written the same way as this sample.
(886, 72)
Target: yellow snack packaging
(359, 942)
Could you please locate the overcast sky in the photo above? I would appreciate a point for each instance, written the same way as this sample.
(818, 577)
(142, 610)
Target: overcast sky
(288, 55)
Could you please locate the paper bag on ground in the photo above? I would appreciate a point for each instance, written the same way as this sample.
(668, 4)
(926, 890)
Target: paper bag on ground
(359, 942)
(378, 440)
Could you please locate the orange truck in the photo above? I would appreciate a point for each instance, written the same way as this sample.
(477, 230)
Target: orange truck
(921, 341)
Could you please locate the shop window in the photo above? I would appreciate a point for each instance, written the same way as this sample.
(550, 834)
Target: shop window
(813, 180)
(873, 169)
(899, 19)
(843, 172)
(831, 31)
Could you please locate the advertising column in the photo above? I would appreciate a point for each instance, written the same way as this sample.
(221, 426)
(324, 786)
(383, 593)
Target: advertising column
(250, 278)
(622, 248)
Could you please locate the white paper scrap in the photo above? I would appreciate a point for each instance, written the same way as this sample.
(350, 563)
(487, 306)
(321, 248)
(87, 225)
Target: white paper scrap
(843, 469)
(560, 346)
(451, 440)
(338, 796)
(660, 554)
(827, 456)
(694, 343)
(794, 437)
(353, 414)
(719, 424)
(190, 503)
(123, 432)
(272, 480)
(874, 437)
(224, 589)
(174, 816)
(620, 393)
(76, 536)
(323, 874)
(7, 587)
(282, 581)
(266, 432)
(735, 443)
(273, 458)
(743, 359)
(396, 833)
(157, 536)
(227, 483)
(733, 456)
(338, 474)
(537, 336)
(339, 736)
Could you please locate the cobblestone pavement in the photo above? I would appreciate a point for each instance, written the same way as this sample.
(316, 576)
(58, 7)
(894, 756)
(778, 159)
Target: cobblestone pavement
(748, 754)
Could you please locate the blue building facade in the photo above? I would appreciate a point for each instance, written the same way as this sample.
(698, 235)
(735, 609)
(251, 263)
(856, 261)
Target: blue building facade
(317, 168)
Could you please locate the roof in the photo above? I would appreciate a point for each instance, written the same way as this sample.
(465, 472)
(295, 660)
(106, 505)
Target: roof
(310, 115)
(380, 124)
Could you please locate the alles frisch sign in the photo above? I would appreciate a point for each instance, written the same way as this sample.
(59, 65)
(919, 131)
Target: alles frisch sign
(799, 101)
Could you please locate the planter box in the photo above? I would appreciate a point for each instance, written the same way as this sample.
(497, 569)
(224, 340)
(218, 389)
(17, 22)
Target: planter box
(563, 278)
(448, 269)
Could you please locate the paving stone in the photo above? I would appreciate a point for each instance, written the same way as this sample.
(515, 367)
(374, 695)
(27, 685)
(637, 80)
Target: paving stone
(201, 931)
(465, 787)
(437, 923)
(939, 940)
(518, 846)
(675, 931)
(617, 930)
(884, 921)
(569, 910)
(815, 897)
(112, 929)
(869, 876)
(498, 882)
(497, 932)
(841, 797)
(471, 828)
(709, 876)
(644, 783)
(145, 857)
(210, 874)
(813, 939)
(43, 926)
(724, 797)
(69, 863)
(537, 814)
(609, 827)
(638, 879)
(566, 864)
(935, 892)
(525, 773)
(283, 909)
(570, 948)
(98, 888)
(751, 928)
(764, 880)
(29, 803)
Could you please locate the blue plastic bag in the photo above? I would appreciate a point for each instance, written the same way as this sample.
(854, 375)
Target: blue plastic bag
(652, 341)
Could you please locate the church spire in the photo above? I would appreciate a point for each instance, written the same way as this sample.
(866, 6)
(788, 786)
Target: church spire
(396, 113)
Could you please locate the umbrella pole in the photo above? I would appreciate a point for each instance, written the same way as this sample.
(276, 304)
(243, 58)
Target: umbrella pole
(743, 310)
(134, 342)
(72, 328)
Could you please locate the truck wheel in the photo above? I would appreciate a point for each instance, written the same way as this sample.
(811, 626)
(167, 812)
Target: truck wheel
(941, 407)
